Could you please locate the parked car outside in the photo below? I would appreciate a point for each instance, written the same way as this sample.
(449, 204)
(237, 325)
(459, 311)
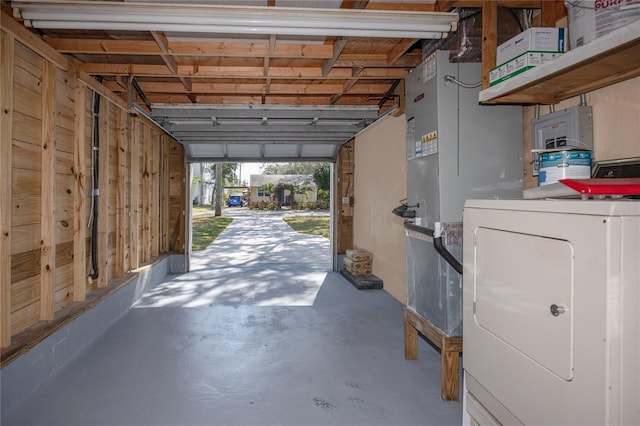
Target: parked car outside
(235, 201)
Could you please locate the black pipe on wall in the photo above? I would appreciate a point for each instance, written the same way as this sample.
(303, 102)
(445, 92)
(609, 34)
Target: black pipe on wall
(95, 190)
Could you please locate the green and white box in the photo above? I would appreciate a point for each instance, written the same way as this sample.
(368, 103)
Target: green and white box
(532, 40)
(519, 65)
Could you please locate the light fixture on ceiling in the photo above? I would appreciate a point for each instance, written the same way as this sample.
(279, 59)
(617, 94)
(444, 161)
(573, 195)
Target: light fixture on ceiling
(199, 18)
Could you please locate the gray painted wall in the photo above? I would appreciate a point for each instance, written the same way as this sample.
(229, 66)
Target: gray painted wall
(24, 375)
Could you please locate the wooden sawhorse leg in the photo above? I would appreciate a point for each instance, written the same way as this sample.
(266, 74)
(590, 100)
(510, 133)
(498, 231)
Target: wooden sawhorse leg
(450, 349)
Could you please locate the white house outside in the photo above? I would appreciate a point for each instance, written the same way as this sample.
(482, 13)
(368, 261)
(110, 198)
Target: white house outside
(297, 188)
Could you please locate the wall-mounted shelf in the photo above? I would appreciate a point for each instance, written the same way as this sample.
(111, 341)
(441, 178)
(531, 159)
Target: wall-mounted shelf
(607, 60)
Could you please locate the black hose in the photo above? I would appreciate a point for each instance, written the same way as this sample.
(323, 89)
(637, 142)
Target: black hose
(438, 245)
(446, 255)
(95, 151)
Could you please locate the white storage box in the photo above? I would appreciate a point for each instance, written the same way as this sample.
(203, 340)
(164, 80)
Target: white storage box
(589, 20)
(532, 40)
(519, 65)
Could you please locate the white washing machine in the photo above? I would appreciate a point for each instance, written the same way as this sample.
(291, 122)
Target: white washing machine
(551, 312)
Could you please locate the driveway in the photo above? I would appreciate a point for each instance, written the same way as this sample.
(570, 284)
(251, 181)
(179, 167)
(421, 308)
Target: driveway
(257, 260)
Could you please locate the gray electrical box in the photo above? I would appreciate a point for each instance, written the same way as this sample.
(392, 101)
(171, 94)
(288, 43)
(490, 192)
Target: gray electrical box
(571, 128)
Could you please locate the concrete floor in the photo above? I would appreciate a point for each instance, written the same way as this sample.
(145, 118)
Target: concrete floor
(259, 333)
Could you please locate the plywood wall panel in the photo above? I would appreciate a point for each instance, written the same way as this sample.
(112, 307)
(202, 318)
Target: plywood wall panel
(28, 61)
(26, 129)
(64, 163)
(25, 183)
(29, 77)
(64, 229)
(25, 292)
(25, 210)
(25, 265)
(64, 186)
(26, 156)
(25, 238)
(65, 94)
(382, 147)
(64, 140)
(64, 253)
(62, 297)
(27, 102)
(64, 276)
(25, 317)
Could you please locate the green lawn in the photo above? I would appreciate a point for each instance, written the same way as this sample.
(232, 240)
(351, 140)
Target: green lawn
(316, 225)
(202, 209)
(206, 229)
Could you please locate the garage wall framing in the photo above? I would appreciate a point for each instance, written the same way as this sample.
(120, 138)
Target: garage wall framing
(46, 193)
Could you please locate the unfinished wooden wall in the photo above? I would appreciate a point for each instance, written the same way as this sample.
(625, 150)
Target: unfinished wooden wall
(46, 178)
(343, 197)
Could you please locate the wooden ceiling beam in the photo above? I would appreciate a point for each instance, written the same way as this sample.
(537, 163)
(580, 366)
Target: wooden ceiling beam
(407, 61)
(170, 62)
(272, 49)
(348, 85)
(189, 48)
(232, 72)
(269, 100)
(445, 6)
(338, 47)
(400, 50)
(256, 88)
(418, 7)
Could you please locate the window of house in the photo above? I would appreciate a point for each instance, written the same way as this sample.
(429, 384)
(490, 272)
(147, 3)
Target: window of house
(260, 193)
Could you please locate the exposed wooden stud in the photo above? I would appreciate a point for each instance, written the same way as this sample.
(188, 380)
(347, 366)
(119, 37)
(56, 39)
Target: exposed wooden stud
(92, 83)
(489, 39)
(166, 177)
(135, 195)
(79, 221)
(155, 194)
(338, 47)
(121, 153)
(6, 136)
(33, 42)
(103, 198)
(146, 193)
(48, 195)
(548, 13)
